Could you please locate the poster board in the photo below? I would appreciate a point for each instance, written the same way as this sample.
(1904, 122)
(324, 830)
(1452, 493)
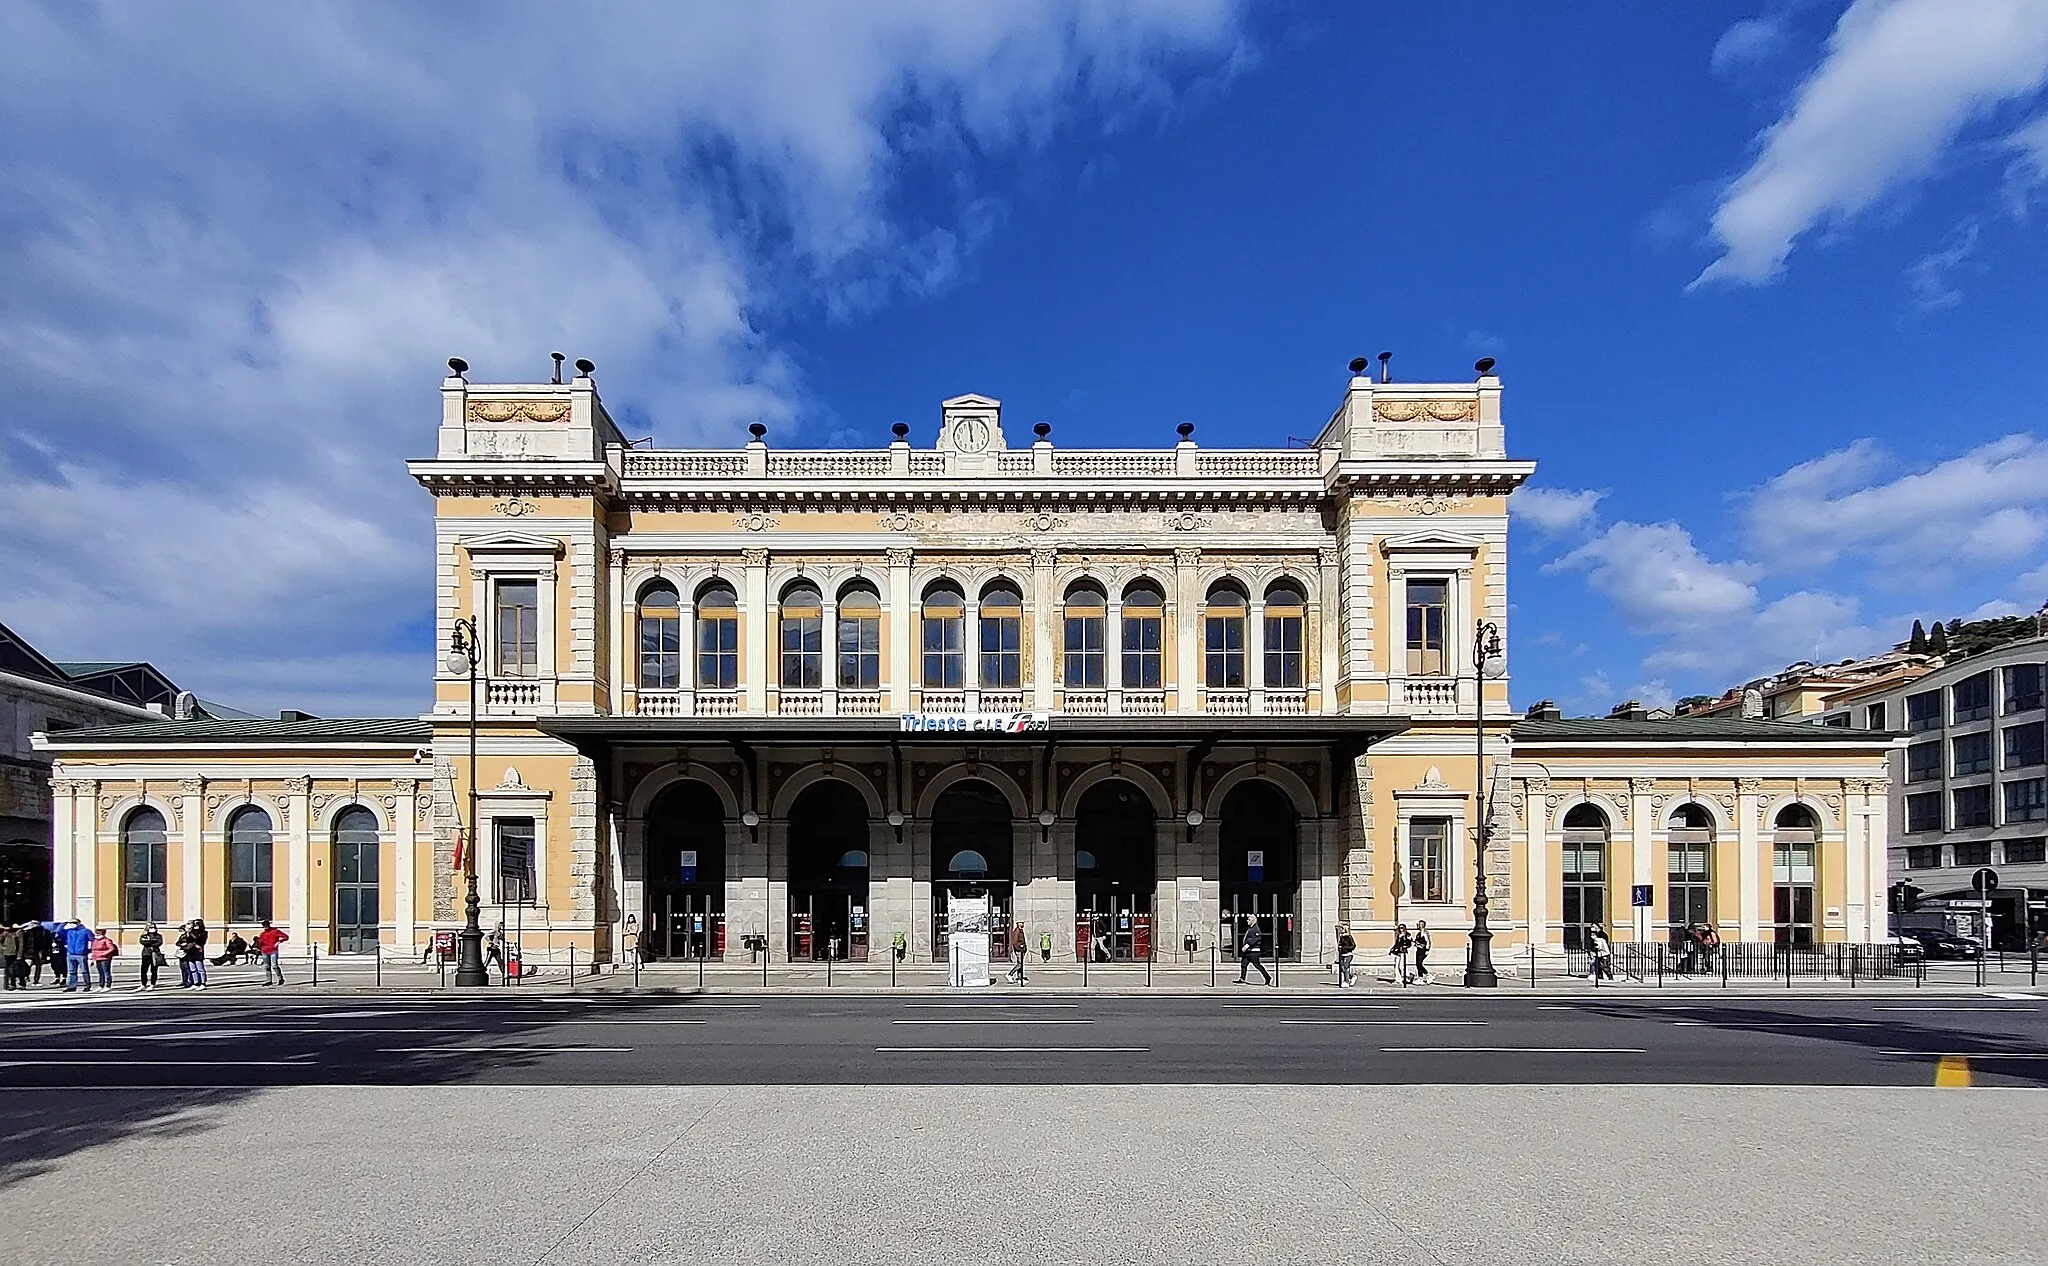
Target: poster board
(968, 923)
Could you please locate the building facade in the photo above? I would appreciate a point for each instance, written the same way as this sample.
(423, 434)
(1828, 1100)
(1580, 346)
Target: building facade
(810, 700)
(1969, 782)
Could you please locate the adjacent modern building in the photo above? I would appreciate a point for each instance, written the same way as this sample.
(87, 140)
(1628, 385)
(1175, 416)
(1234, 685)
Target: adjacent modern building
(1967, 782)
(811, 699)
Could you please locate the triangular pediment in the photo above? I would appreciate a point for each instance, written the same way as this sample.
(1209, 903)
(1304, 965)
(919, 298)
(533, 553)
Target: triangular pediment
(971, 401)
(1432, 542)
(511, 543)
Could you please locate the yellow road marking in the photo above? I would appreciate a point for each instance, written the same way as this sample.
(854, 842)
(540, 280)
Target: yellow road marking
(1952, 1071)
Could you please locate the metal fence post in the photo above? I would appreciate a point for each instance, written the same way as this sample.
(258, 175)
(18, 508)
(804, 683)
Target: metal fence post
(316, 966)
(1724, 967)
(379, 952)
(636, 969)
(828, 962)
(1088, 954)
(572, 967)
(1212, 964)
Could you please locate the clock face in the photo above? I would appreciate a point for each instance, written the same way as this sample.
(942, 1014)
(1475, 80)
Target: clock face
(970, 435)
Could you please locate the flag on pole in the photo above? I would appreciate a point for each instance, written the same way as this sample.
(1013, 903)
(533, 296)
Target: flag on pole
(460, 840)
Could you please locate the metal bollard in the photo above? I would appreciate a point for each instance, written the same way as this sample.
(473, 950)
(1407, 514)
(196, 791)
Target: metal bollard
(572, 968)
(1660, 967)
(379, 952)
(1148, 967)
(828, 963)
(892, 966)
(1085, 957)
(1212, 964)
(700, 971)
(636, 969)
(316, 966)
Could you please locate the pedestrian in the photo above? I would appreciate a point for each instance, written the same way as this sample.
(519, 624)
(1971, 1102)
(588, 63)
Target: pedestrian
(102, 952)
(1250, 944)
(77, 960)
(1422, 953)
(1045, 947)
(50, 951)
(267, 942)
(1710, 945)
(151, 943)
(192, 955)
(1347, 951)
(1600, 953)
(1404, 942)
(233, 951)
(494, 950)
(10, 950)
(1020, 951)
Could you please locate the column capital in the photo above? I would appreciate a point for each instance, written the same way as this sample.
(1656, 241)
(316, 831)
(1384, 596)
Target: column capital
(899, 557)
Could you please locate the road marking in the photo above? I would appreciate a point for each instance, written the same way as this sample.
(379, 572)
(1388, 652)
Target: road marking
(208, 1035)
(995, 1019)
(1010, 1050)
(1312, 1006)
(357, 1015)
(1374, 1023)
(1967, 1010)
(1781, 1024)
(2016, 997)
(1513, 1050)
(1938, 1055)
(503, 1050)
(995, 1006)
(95, 1061)
(1952, 1071)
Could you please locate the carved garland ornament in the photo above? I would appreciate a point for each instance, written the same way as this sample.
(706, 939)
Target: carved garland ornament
(1186, 521)
(754, 522)
(514, 507)
(900, 521)
(1440, 410)
(518, 410)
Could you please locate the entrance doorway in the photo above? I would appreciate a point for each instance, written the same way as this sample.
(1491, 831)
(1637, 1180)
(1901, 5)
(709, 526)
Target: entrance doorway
(828, 874)
(1115, 873)
(684, 912)
(357, 902)
(972, 856)
(24, 882)
(1261, 866)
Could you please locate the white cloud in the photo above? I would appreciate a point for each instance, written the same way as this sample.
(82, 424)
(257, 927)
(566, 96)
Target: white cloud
(1552, 511)
(241, 243)
(1900, 80)
(1746, 43)
(1985, 509)
(2029, 167)
(1932, 277)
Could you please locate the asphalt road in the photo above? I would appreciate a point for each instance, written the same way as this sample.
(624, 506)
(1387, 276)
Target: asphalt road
(1238, 1038)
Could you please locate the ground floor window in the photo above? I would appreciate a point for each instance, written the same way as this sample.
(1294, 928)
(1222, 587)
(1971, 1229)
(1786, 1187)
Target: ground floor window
(1792, 872)
(1429, 845)
(1691, 892)
(1924, 857)
(513, 838)
(1585, 891)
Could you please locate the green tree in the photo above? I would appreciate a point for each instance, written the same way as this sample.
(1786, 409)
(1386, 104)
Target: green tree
(1937, 642)
(1918, 642)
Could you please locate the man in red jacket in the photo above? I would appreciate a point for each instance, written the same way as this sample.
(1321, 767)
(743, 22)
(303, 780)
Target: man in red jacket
(267, 942)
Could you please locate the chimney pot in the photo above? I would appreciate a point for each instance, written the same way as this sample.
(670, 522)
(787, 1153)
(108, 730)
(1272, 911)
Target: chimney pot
(457, 366)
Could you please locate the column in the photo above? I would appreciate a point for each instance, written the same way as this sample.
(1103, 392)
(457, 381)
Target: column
(85, 873)
(1642, 821)
(828, 644)
(1871, 801)
(1255, 651)
(902, 631)
(404, 855)
(1045, 631)
(298, 808)
(1113, 652)
(64, 846)
(620, 607)
(1748, 843)
(191, 848)
(1397, 639)
(1536, 885)
(1855, 833)
(1187, 607)
(754, 659)
(1321, 622)
(970, 651)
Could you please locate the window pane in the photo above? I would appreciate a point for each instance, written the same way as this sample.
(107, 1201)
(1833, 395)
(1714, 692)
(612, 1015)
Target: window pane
(1972, 753)
(2023, 801)
(1002, 659)
(2023, 687)
(1428, 844)
(1923, 711)
(1923, 811)
(1283, 651)
(1971, 697)
(1923, 762)
(513, 838)
(718, 653)
(1923, 857)
(518, 626)
(2023, 745)
(1972, 806)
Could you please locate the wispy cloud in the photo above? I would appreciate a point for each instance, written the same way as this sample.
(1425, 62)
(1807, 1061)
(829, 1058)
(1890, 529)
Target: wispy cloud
(1899, 81)
(241, 242)
(1554, 511)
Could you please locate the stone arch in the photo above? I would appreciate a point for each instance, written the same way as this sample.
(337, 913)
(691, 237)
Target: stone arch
(816, 771)
(1617, 817)
(116, 817)
(1013, 792)
(342, 804)
(217, 821)
(1812, 804)
(659, 780)
(1722, 823)
(1143, 779)
(1289, 784)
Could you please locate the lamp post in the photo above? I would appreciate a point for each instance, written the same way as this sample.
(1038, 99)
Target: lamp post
(464, 650)
(1487, 662)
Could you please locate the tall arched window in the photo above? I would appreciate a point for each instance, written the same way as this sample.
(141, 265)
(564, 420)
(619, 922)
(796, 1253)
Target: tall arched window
(1690, 843)
(1284, 611)
(357, 903)
(803, 637)
(1585, 874)
(860, 637)
(1795, 849)
(1087, 611)
(142, 867)
(945, 637)
(718, 637)
(1144, 635)
(1223, 636)
(1002, 636)
(249, 857)
(661, 637)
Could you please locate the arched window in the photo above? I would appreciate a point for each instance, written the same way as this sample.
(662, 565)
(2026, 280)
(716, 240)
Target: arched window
(803, 637)
(945, 637)
(1087, 610)
(1690, 841)
(357, 904)
(1795, 849)
(1002, 636)
(1284, 609)
(718, 637)
(142, 867)
(967, 864)
(1584, 873)
(860, 637)
(661, 637)
(1144, 635)
(1223, 637)
(249, 857)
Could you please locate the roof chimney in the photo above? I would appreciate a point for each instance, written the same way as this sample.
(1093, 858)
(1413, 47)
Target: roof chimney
(1630, 710)
(1386, 374)
(1543, 710)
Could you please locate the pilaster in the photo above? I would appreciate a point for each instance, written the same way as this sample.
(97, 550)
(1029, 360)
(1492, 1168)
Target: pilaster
(191, 848)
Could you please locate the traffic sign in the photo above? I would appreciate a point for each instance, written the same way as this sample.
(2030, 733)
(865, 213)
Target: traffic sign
(1985, 880)
(1642, 896)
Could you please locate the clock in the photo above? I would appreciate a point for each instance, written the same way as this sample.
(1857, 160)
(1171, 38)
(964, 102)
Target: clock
(970, 434)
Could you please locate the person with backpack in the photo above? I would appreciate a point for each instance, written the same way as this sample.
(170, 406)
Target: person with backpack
(1250, 944)
(1347, 951)
(1399, 950)
(151, 943)
(102, 952)
(1422, 976)
(267, 942)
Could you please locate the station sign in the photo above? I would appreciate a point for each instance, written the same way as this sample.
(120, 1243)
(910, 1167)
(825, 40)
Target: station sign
(689, 865)
(975, 722)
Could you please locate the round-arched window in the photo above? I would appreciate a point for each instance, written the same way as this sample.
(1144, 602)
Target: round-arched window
(967, 864)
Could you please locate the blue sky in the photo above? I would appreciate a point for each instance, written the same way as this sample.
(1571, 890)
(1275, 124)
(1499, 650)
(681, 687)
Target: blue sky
(1765, 282)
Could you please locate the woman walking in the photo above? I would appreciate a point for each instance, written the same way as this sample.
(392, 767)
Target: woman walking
(1422, 953)
(1398, 951)
(1347, 951)
(152, 943)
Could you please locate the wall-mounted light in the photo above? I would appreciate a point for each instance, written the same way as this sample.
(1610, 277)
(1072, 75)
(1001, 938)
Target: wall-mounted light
(1194, 819)
(1046, 818)
(896, 821)
(750, 819)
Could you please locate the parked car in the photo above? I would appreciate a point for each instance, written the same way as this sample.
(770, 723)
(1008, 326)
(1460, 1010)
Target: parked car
(1906, 950)
(1945, 944)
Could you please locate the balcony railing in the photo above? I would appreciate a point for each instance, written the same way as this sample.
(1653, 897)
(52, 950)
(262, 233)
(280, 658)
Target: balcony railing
(800, 703)
(1086, 703)
(1229, 703)
(1003, 700)
(1010, 463)
(944, 701)
(1144, 703)
(718, 703)
(1287, 703)
(502, 693)
(1435, 694)
(860, 703)
(661, 703)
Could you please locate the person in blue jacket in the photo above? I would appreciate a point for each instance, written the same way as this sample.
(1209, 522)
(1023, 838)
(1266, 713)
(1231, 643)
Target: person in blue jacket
(77, 966)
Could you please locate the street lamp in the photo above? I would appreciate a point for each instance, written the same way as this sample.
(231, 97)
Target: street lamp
(1487, 663)
(464, 650)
